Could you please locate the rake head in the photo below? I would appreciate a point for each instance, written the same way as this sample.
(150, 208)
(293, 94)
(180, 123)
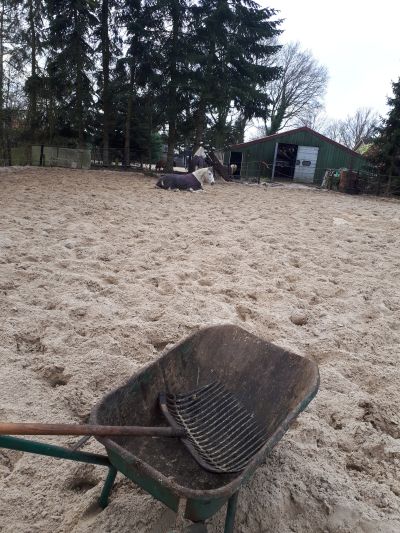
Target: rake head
(221, 434)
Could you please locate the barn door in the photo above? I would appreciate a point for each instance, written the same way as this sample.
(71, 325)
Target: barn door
(306, 162)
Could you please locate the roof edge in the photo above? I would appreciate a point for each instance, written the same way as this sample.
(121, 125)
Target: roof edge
(288, 132)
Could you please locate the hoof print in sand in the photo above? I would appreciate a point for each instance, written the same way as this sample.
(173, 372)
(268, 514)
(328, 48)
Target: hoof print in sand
(82, 480)
(79, 403)
(160, 342)
(244, 312)
(8, 460)
(335, 421)
(93, 286)
(54, 375)
(79, 312)
(29, 343)
(382, 418)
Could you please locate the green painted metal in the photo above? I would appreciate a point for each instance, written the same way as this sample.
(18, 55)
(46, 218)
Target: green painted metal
(108, 485)
(197, 510)
(231, 513)
(42, 448)
(330, 155)
(147, 483)
(200, 510)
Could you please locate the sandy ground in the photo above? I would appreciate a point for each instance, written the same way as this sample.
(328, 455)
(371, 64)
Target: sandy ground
(100, 272)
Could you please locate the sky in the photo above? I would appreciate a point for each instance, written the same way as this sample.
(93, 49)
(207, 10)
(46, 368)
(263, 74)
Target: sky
(357, 40)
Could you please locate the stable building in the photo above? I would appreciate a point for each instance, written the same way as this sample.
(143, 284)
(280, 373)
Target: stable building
(301, 155)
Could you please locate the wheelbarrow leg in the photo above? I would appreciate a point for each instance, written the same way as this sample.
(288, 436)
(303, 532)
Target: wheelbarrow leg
(105, 493)
(231, 512)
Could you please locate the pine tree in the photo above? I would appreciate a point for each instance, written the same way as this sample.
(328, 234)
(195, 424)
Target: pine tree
(233, 41)
(108, 38)
(175, 46)
(388, 141)
(71, 64)
(136, 73)
(32, 40)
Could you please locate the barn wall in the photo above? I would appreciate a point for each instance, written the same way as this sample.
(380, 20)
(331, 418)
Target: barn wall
(329, 155)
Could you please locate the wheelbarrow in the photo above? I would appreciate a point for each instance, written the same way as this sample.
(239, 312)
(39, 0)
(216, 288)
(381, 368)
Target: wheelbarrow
(272, 383)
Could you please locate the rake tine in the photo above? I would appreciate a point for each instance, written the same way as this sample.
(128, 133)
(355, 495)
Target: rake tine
(220, 430)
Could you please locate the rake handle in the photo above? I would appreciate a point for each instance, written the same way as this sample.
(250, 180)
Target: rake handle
(95, 430)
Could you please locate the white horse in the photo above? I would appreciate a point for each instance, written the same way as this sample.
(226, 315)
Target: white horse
(205, 175)
(187, 182)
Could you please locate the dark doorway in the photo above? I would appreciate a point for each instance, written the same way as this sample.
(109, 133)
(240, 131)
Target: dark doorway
(236, 159)
(285, 161)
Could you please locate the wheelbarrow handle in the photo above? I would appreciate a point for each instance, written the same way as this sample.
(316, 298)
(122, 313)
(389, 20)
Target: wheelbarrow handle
(95, 430)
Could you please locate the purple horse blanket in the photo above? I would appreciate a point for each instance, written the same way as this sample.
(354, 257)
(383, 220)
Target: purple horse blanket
(179, 181)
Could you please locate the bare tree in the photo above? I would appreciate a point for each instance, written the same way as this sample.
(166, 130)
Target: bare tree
(298, 92)
(354, 128)
(315, 119)
(10, 68)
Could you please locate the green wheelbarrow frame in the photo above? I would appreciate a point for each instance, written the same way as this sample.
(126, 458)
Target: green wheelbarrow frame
(273, 383)
(41, 448)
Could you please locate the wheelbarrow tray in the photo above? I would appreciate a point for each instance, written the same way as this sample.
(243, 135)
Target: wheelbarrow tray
(274, 384)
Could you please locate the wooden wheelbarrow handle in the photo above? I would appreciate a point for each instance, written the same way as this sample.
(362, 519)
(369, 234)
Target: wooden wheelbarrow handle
(95, 430)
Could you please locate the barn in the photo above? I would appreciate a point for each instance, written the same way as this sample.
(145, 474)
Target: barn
(301, 155)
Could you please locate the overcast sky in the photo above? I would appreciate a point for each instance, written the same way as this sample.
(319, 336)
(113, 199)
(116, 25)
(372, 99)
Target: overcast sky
(357, 40)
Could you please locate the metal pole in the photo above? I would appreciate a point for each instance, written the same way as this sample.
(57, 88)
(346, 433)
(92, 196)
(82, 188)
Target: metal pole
(231, 513)
(41, 448)
(105, 493)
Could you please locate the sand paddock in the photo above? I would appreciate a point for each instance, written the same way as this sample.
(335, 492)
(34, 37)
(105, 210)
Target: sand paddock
(100, 272)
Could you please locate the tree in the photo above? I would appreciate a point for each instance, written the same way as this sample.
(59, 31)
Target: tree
(315, 119)
(233, 44)
(71, 63)
(387, 153)
(354, 128)
(298, 92)
(105, 45)
(138, 72)
(31, 45)
(10, 65)
(175, 48)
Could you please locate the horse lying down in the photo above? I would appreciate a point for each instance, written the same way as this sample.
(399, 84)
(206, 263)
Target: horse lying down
(187, 182)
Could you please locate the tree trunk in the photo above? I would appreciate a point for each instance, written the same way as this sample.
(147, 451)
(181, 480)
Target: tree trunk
(105, 51)
(78, 82)
(200, 124)
(128, 120)
(220, 128)
(390, 176)
(33, 119)
(51, 111)
(172, 90)
(150, 116)
(219, 167)
(2, 121)
(127, 140)
(241, 127)
(277, 117)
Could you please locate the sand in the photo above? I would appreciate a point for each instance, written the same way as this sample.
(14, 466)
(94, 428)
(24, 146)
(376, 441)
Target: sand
(100, 272)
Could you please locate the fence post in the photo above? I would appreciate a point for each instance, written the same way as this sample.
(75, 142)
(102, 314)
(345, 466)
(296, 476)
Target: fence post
(378, 192)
